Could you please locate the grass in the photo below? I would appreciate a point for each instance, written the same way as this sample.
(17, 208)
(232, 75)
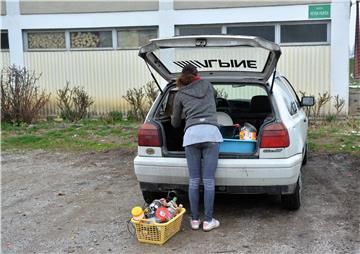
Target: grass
(87, 135)
(335, 137)
(96, 135)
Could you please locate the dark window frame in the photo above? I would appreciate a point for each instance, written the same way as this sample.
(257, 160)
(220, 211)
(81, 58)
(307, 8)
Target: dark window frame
(5, 40)
(252, 26)
(324, 22)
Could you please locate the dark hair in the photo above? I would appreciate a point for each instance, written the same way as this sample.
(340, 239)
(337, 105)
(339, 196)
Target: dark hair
(187, 76)
(189, 69)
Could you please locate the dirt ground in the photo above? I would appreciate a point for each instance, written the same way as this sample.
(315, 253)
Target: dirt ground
(56, 202)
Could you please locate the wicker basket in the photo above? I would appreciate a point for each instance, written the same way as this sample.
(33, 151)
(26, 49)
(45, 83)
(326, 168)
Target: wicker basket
(158, 233)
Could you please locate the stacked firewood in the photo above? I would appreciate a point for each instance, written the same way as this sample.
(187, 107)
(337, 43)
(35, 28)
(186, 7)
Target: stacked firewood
(84, 40)
(46, 40)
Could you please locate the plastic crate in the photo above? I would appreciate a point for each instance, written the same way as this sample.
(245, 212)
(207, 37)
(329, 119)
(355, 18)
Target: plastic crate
(157, 233)
(238, 146)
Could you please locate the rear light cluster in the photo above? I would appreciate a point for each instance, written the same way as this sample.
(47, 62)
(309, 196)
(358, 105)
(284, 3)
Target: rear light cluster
(275, 136)
(149, 135)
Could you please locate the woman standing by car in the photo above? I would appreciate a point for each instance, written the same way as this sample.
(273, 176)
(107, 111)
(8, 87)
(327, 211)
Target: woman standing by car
(195, 98)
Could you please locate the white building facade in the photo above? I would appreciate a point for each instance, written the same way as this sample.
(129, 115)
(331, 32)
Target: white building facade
(95, 44)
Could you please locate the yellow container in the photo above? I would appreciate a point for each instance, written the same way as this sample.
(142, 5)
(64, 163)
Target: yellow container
(157, 233)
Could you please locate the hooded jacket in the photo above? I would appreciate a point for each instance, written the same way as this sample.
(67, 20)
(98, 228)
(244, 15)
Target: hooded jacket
(197, 102)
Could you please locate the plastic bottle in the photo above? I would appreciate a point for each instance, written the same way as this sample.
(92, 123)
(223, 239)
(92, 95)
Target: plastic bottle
(137, 213)
(172, 207)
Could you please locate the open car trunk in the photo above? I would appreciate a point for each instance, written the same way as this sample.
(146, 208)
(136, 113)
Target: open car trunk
(236, 104)
(239, 68)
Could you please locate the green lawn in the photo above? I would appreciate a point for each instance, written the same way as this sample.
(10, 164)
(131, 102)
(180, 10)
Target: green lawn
(88, 135)
(97, 135)
(335, 137)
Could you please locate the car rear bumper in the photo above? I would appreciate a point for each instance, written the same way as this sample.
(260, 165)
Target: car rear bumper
(232, 175)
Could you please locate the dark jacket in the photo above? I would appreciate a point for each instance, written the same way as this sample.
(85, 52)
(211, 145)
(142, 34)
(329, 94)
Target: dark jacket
(197, 101)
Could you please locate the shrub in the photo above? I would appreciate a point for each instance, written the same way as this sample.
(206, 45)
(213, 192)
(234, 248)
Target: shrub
(113, 116)
(320, 102)
(339, 104)
(141, 99)
(151, 92)
(21, 99)
(116, 115)
(73, 102)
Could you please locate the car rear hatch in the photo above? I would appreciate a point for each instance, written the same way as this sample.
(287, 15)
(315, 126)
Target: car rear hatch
(217, 57)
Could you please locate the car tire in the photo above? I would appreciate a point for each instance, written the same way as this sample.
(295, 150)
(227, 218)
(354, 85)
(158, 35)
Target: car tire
(293, 201)
(305, 156)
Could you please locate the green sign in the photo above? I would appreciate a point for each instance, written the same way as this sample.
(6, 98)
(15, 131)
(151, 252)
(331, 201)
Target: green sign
(319, 11)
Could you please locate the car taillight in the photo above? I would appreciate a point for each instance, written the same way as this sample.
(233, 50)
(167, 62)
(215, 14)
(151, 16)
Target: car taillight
(274, 136)
(148, 135)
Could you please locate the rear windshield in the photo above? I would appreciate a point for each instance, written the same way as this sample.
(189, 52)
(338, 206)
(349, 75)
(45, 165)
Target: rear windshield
(235, 97)
(238, 91)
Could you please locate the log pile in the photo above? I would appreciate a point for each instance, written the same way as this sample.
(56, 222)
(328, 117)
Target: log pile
(46, 40)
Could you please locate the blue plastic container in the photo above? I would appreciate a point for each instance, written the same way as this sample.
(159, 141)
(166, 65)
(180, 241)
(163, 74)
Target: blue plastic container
(237, 146)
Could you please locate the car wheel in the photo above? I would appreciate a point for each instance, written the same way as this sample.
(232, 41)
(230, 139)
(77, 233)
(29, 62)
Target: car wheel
(305, 156)
(293, 201)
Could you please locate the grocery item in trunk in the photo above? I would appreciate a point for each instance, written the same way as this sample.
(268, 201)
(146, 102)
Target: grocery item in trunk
(247, 132)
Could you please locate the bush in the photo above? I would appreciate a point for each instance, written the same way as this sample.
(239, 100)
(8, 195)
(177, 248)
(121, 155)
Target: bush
(73, 103)
(21, 99)
(141, 99)
(113, 116)
(321, 100)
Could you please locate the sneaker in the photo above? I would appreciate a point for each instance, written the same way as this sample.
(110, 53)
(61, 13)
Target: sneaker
(195, 224)
(207, 226)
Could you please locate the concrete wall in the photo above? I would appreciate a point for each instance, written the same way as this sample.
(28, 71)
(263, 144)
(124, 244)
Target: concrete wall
(206, 4)
(85, 6)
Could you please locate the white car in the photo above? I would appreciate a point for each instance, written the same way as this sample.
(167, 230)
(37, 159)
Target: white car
(242, 69)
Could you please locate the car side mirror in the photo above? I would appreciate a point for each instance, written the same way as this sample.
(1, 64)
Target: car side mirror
(307, 101)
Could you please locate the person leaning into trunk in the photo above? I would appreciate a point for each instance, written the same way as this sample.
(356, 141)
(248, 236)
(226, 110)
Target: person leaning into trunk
(195, 98)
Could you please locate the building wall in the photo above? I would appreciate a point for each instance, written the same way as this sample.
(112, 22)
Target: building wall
(105, 75)
(206, 4)
(84, 6)
(308, 69)
(4, 59)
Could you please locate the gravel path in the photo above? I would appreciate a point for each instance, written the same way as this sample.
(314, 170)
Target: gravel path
(79, 203)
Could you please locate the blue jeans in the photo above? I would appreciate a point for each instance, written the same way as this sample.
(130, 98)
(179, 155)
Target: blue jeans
(209, 152)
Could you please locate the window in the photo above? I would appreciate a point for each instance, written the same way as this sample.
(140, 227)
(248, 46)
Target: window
(291, 90)
(266, 32)
(196, 30)
(135, 38)
(4, 40)
(314, 32)
(242, 92)
(288, 98)
(303, 33)
(91, 39)
(46, 40)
